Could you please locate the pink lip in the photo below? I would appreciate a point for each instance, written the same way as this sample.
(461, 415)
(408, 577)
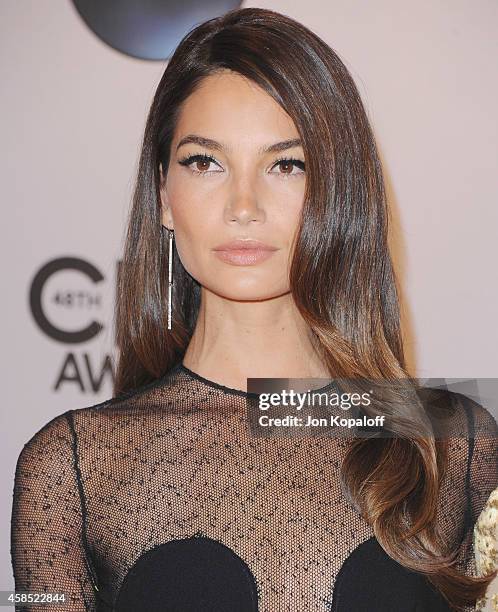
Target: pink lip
(244, 257)
(244, 252)
(242, 244)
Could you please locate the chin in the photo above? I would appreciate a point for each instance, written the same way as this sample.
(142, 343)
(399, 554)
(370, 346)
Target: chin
(248, 289)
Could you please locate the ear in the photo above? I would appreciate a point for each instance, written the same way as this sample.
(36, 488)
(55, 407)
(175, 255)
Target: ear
(166, 217)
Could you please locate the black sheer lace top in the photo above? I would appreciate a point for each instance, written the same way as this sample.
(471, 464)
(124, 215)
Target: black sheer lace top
(162, 500)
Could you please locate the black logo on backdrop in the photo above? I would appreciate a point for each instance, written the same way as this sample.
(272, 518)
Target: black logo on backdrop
(148, 30)
(49, 305)
(86, 332)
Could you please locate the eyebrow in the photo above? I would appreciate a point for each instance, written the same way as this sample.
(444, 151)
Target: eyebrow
(209, 143)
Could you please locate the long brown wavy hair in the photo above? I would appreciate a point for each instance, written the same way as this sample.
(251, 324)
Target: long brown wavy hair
(341, 275)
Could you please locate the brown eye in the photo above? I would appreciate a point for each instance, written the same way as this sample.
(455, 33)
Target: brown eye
(286, 166)
(202, 163)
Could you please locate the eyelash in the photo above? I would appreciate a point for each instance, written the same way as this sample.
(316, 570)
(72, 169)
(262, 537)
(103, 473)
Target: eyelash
(189, 159)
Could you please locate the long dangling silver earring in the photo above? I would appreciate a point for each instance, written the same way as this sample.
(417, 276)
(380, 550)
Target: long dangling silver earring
(170, 274)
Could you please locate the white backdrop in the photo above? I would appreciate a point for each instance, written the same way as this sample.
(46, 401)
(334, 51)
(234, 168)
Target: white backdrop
(73, 111)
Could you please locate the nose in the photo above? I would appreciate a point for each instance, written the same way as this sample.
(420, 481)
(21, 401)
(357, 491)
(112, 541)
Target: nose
(244, 205)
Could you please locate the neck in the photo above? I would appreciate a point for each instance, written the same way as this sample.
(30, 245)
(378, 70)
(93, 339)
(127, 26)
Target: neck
(234, 340)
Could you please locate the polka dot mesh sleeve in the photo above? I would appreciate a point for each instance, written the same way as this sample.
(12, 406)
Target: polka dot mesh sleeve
(163, 500)
(47, 520)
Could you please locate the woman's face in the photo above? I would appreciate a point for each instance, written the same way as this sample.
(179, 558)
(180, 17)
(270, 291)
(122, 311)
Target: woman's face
(238, 191)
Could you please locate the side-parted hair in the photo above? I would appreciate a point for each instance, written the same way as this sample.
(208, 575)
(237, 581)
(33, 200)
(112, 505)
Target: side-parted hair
(341, 275)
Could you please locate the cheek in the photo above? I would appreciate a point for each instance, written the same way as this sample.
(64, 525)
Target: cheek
(198, 228)
(191, 238)
(192, 217)
(287, 214)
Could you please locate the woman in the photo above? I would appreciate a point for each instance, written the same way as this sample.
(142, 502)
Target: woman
(160, 498)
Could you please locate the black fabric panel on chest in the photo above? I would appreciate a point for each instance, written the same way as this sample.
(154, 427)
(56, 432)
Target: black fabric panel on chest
(370, 581)
(189, 575)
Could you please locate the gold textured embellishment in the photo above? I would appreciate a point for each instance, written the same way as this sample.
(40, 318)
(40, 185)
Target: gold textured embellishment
(486, 551)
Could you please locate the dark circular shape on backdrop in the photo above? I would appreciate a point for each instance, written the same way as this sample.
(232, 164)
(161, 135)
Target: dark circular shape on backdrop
(148, 29)
(188, 575)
